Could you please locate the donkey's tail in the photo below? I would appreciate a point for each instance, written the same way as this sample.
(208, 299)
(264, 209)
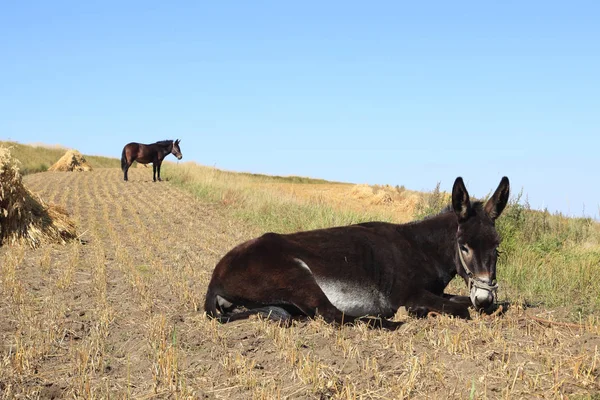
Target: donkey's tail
(123, 160)
(210, 303)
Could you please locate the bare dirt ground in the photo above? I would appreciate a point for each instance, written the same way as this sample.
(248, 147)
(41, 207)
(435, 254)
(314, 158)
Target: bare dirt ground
(119, 314)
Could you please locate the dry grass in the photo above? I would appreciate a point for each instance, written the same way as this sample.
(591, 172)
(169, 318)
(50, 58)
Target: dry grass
(277, 204)
(120, 317)
(118, 314)
(401, 201)
(24, 216)
(71, 161)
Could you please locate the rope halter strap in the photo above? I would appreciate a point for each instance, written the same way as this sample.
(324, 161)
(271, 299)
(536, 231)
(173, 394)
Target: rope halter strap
(473, 280)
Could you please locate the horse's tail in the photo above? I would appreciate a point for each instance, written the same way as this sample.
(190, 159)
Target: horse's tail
(123, 160)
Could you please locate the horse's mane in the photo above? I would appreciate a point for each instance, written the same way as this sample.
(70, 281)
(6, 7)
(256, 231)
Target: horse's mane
(164, 143)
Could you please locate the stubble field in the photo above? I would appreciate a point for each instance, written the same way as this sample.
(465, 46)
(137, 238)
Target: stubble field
(119, 314)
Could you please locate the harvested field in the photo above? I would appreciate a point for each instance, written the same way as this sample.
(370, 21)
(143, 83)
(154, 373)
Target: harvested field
(119, 314)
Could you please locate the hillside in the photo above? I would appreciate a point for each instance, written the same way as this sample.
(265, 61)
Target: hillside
(119, 312)
(40, 157)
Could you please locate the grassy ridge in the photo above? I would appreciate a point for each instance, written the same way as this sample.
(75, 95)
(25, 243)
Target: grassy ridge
(253, 202)
(39, 158)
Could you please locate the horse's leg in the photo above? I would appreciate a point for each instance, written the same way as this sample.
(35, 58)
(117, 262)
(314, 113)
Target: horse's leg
(125, 170)
(158, 170)
(154, 172)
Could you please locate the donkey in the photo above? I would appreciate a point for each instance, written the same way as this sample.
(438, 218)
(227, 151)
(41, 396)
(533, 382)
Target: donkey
(366, 270)
(153, 153)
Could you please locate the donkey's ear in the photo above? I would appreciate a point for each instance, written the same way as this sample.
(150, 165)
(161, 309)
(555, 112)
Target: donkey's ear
(177, 141)
(495, 205)
(460, 199)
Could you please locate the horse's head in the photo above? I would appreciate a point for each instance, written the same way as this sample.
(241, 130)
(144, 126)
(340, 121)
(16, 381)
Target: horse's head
(176, 151)
(477, 241)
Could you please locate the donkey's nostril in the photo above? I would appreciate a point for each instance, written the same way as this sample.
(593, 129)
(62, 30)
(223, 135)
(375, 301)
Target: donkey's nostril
(481, 298)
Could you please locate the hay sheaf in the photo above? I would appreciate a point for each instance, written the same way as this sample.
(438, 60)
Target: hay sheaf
(381, 197)
(362, 191)
(24, 216)
(71, 161)
(375, 195)
(397, 199)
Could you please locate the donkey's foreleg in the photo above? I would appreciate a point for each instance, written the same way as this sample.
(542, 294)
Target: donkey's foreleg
(466, 300)
(424, 302)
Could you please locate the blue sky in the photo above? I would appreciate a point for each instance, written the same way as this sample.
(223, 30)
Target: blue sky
(365, 92)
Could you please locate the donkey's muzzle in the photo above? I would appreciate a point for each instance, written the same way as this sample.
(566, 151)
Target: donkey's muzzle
(482, 297)
(179, 157)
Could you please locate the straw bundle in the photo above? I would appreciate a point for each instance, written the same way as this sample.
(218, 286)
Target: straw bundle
(71, 161)
(362, 191)
(381, 197)
(23, 215)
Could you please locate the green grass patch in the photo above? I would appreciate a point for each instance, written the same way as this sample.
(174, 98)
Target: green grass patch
(550, 258)
(143, 269)
(103, 162)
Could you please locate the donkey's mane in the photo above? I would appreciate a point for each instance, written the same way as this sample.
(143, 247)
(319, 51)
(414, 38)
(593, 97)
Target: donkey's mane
(476, 207)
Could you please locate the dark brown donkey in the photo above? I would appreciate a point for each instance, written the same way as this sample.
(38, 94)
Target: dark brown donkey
(368, 269)
(153, 153)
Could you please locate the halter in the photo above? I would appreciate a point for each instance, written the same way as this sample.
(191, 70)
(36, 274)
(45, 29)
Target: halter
(473, 280)
(173, 148)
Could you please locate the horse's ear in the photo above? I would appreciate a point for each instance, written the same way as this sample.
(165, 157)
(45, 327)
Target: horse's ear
(177, 141)
(460, 200)
(495, 205)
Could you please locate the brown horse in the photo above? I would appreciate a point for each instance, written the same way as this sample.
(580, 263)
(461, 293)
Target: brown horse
(153, 153)
(369, 269)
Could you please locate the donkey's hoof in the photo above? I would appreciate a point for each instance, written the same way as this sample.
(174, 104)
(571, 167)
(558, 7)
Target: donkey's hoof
(418, 312)
(496, 309)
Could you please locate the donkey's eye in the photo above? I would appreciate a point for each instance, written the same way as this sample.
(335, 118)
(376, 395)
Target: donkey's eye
(464, 249)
